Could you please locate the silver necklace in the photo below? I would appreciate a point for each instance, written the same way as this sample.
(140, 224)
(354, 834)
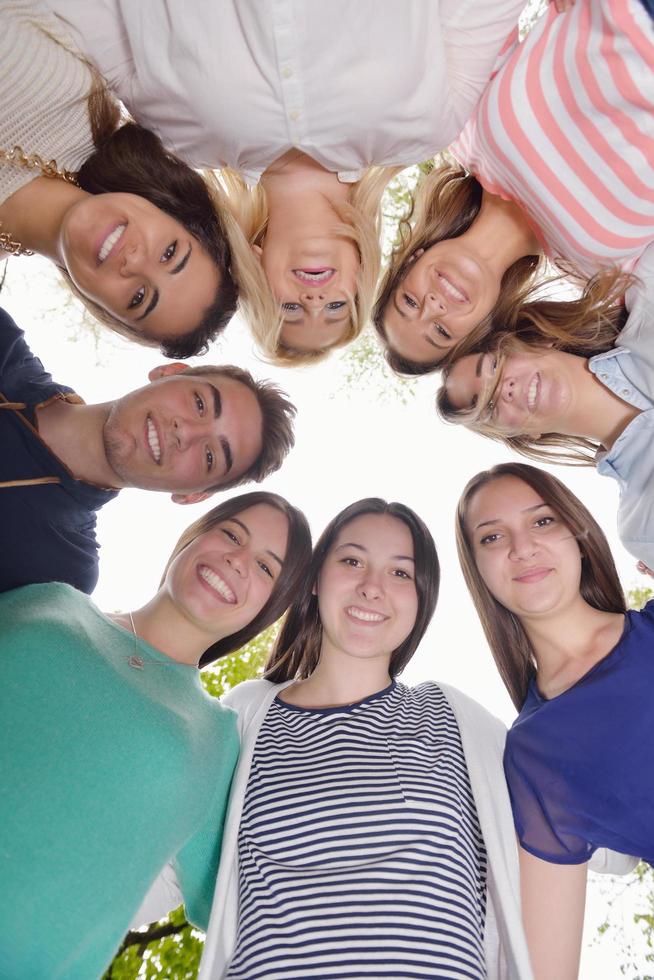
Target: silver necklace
(138, 662)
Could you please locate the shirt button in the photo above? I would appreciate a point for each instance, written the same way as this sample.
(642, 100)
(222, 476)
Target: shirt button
(625, 391)
(604, 377)
(287, 72)
(295, 114)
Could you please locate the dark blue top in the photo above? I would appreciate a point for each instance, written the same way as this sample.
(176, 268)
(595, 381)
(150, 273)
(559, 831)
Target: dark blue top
(579, 766)
(47, 530)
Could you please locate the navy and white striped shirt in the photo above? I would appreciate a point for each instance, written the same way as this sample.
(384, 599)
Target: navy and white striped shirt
(360, 850)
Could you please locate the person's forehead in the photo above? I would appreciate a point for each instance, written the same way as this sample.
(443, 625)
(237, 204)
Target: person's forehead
(375, 532)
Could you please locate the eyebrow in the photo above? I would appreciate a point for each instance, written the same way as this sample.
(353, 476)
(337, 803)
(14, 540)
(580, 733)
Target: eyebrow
(480, 361)
(359, 547)
(227, 450)
(182, 263)
(155, 293)
(527, 510)
(151, 305)
(272, 554)
(217, 401)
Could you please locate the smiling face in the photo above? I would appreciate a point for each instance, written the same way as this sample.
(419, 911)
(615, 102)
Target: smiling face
(447, 292)
(366, 590)
(527, 557)
(534, 393)
(184, 432)
(142, 266)
(314, 282)
(223, 579)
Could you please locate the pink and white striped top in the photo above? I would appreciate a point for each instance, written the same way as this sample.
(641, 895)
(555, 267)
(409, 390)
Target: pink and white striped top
(566, 129)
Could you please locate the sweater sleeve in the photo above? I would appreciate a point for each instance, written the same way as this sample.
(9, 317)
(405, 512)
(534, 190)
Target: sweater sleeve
(196, 864)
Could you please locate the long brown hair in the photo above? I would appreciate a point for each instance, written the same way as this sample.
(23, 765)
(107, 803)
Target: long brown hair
(444, 205)
(133, 160)
(595, 319)
(297, 650)
(599, 587)
(293, 572)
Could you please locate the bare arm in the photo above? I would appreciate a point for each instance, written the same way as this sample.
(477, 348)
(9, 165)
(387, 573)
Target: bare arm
(553, 901)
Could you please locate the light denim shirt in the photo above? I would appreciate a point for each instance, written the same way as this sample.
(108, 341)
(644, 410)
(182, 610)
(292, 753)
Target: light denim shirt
(628, 371)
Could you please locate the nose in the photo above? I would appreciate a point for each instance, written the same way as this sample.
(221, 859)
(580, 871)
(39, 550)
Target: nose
(523, 546)
(131, 260)
(508, 389)
(434, 304)
(370, 587)
(313, 298)
(237, 562)
(184, 433)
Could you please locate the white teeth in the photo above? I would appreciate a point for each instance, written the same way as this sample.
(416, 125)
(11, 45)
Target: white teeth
(110, 241)
(313, 276)
(367, 617)
(153, 441)
(532, 393)
(451, 290)
(217, 583)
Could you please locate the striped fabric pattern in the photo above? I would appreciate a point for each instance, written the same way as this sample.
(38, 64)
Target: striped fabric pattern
(360, 850)
(566, 129)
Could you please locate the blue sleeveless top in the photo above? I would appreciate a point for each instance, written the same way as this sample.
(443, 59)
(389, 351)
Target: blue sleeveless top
(579, 766)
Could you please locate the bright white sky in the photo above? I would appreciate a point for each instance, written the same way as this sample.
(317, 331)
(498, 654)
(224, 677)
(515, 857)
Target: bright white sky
(350, 443)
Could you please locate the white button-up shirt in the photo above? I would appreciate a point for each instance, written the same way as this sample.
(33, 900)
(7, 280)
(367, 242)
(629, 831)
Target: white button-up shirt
(628, 371)
(349, 82)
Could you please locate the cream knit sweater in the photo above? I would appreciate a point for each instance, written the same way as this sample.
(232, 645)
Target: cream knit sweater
(44, 85)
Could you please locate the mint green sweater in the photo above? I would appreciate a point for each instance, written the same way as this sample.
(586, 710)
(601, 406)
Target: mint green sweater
(107, 772)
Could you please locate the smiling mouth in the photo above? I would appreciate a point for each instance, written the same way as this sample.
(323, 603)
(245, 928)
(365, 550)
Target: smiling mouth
(152, 437)
(216, 584)
(314, 277)
(110, 242)
(364, 615)
(451, 291)
(532, 392)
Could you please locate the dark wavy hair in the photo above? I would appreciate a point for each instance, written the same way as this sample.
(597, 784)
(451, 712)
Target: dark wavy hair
(297, 650)
(294, 567)
(131, 159)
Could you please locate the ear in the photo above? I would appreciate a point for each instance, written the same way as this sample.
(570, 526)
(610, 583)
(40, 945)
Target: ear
(164, 370)
(190, 498)
(257, 251)
(416, 255)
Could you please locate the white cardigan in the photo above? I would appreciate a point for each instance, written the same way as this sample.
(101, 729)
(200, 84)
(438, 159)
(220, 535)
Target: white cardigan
(482, 737)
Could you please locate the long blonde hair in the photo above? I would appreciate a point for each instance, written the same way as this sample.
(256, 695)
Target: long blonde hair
(360, 222)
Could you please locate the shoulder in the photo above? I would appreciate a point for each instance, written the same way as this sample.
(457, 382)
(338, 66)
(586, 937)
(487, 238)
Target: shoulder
(250, 695)
(470, 712)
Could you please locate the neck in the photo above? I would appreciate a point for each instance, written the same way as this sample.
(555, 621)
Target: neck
(568, 643)
(595, 411)
(340, 679)
(301, 195)
(500, 234)
(34, 214)
(165, 627)
(75, 435)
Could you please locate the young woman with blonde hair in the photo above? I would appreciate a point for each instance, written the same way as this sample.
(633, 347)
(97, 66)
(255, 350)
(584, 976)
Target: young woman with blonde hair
(575, 662)
(560, 145)
(301, 99)
(115, 761)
